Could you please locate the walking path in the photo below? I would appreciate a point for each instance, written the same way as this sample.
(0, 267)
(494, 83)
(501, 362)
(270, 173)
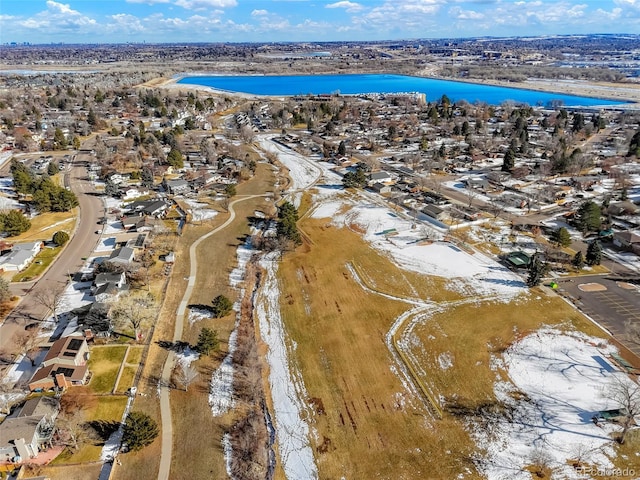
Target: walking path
(165, 406)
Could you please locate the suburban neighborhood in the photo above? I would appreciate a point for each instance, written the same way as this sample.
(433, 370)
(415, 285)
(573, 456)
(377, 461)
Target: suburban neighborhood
(292, 286)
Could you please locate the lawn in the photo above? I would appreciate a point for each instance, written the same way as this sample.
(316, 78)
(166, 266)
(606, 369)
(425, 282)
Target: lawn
(106, 408)
(43, 226)
(104, 364)
(40, 263)
(126, 379)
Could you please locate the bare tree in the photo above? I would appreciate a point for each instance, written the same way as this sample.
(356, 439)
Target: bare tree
(185, 374)
(625, 393)
(50, 298)
(28, 343)
(135, 310)
(71, 422)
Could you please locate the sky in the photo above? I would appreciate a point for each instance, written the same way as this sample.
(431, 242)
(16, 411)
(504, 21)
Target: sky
(159, 21)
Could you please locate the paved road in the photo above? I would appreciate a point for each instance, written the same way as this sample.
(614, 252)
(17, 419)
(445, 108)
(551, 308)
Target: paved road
(165, 406)
(69, 261)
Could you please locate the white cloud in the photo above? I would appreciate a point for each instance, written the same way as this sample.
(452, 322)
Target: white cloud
(126, 22)
(205, 4)
(61, 8)
(259, 13)
(350, 7)
(148, 2)
(461, 14)
(59, 17)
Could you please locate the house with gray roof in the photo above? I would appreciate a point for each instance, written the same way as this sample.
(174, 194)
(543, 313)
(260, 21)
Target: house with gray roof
(21, 255)
(122, 255)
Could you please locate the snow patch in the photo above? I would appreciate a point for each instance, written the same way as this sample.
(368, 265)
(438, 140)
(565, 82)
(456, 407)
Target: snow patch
(287, 387)
(559, 379)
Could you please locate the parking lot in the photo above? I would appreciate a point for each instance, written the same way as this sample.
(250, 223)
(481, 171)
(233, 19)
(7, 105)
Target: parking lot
(614, 303)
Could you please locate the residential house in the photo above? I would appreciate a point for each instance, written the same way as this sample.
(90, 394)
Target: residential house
(434, 212)
(117, 279)
(116, 178)
(122, 255)
(133, 192)
(154, 208)
(379, 177)
(27, 429)
(628, 240)
(129, 223)
(381, 188)
(21, 255)
(64, 365)
(176, 186)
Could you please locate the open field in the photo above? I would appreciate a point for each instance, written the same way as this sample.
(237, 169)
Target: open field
(366, 423)
(194, 428)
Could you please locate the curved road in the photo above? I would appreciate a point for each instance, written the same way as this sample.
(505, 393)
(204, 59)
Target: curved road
(82, 243)
(165, 407)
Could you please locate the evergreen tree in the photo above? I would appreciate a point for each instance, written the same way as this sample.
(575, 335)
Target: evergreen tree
(287, 223)
(634, 146)
(561, 237)
(110, 188)
(207, 341)
(587, 217)
(357, 179)
(536, 271)
(59, 140)
(509, 160)
(147, 177)
(139, 431)
(52, 169)
(221, 306)
(175, 158)
(594, 253)
(60, 238)
(342, 148)
(22, 177)
(14, 223)
(578, 261)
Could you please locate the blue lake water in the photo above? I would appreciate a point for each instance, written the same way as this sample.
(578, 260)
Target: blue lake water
(286, 85)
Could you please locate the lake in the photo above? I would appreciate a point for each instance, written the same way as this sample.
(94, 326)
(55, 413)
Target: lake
(287, 85)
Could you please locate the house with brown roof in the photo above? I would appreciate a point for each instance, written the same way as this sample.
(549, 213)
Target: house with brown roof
(64, 365)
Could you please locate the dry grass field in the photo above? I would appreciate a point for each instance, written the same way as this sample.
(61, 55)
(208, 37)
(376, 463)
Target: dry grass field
(195, 431)
(45, 225)
(366, 423)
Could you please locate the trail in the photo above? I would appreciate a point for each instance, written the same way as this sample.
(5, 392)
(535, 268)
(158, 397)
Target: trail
(165, 405)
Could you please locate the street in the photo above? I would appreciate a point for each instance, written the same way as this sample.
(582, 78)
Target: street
(69, 261)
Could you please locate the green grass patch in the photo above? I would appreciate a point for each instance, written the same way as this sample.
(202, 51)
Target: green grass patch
(39, 264)
(126, 379)
(104, 364)
(135, 355)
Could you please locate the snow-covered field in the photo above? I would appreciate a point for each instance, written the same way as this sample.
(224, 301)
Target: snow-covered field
(287, 387)
(199, 211)
(303, 172)
(562, 380)
(473, 274)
